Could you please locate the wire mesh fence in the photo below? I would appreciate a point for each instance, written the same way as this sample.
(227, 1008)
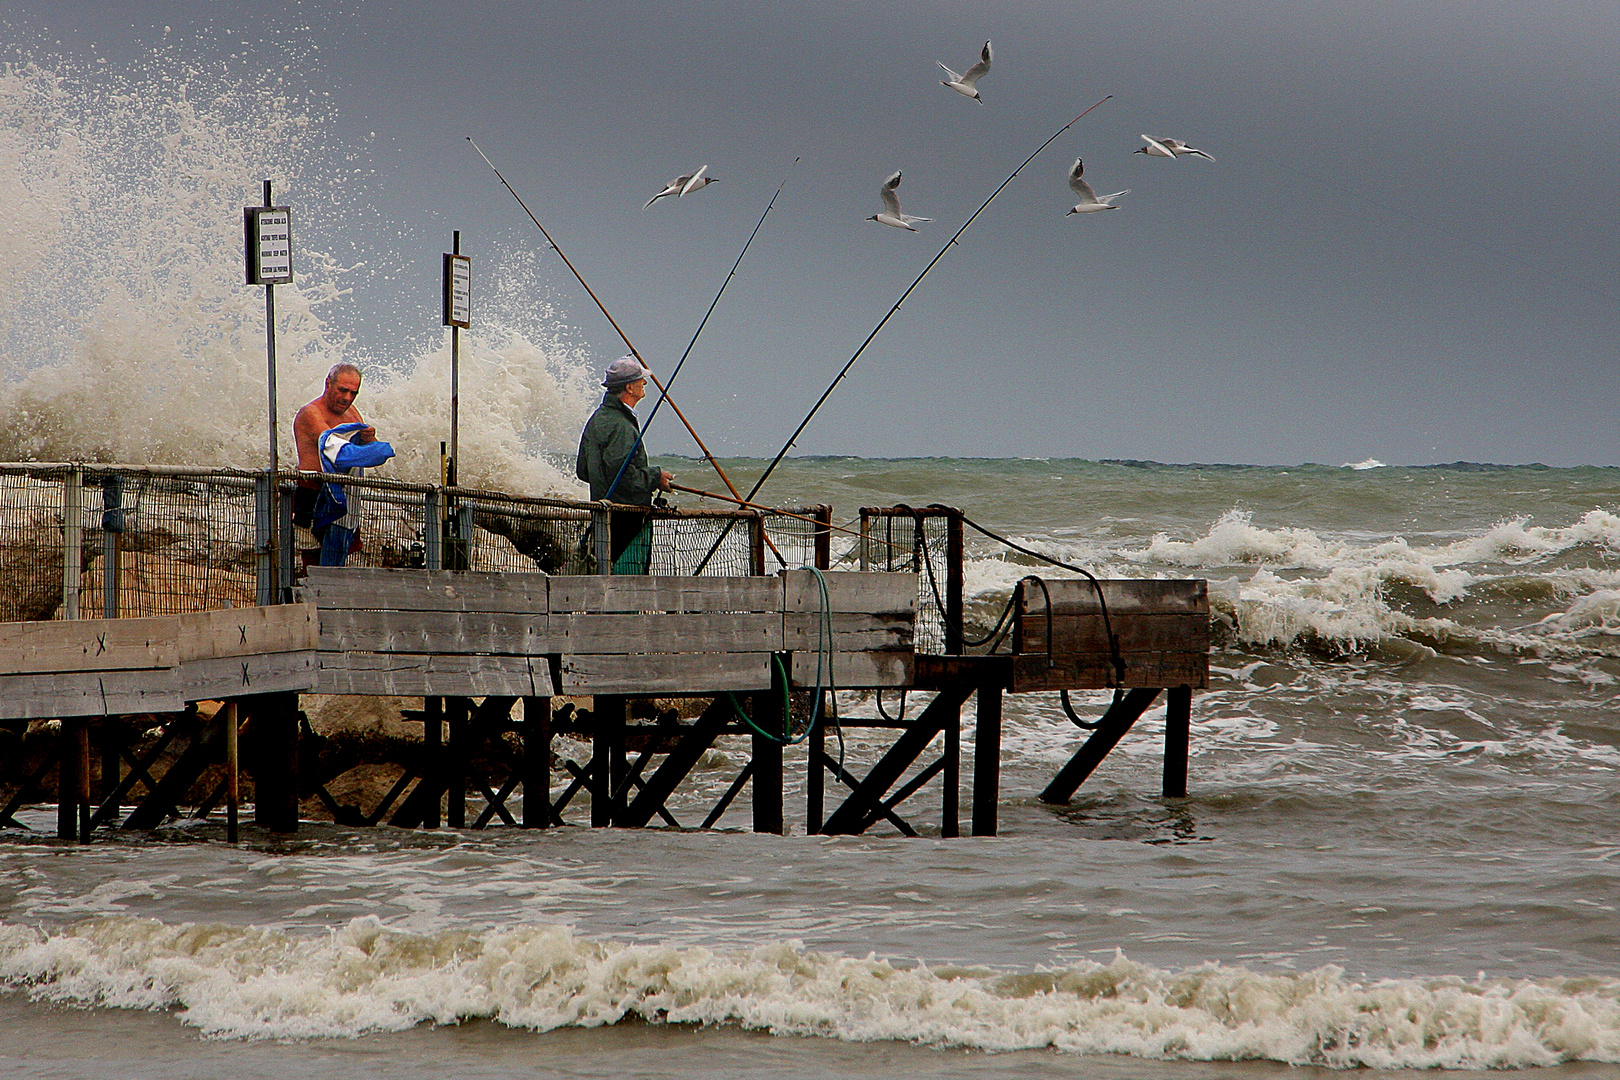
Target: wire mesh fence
(92, 541)
(927, 542)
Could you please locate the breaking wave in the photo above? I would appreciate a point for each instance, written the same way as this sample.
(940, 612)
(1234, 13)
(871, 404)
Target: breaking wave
(128, 334)
(253, 982)
(1288, 586)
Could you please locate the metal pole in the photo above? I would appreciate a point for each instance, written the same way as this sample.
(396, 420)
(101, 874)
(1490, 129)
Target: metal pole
(275, 461)
(72, 541)
(455, 381)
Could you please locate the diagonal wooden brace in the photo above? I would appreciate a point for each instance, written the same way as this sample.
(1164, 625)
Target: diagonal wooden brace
(867, 797)
(1110, 729)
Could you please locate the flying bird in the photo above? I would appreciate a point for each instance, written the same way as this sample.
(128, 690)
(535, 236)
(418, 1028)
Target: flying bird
(891, 202)
(682, 184)
(698, 181)
(1163, 147)
(1089, 202)
(965, 83)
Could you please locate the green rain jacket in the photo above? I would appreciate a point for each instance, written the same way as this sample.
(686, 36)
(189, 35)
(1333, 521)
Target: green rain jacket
(603, 445)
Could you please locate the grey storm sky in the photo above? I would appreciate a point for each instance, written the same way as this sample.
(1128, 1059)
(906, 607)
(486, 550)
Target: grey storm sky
(1407, 248)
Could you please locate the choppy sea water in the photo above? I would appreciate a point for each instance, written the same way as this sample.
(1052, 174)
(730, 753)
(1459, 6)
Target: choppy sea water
(1398, 848)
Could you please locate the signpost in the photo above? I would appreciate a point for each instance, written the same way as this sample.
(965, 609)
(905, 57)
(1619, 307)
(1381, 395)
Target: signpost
(267, 233)
(457, 316)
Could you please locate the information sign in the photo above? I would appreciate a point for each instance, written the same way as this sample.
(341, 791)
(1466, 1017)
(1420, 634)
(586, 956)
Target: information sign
(269, 244)
(457, 291)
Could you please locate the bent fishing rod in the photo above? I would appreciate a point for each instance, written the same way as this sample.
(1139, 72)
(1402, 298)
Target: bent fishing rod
(611, 320)
(663, 393)
(891, 312)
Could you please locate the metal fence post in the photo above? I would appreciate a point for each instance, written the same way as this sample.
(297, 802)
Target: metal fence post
(261, 540)
(72, 540)
(464, 537)
(601, 540)
(432, 531)
(112, 526)
(954, 555)
(756, 546)
(865, 526)
(284, 537)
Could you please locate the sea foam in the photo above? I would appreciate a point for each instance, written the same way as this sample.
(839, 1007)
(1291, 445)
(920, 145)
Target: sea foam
(253, 982)
(128, 334)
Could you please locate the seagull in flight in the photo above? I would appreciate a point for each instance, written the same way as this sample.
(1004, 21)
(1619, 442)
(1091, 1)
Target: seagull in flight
(891, 202)
(1163, 147)
(1089, 202)
(964, 83)
(683, 184)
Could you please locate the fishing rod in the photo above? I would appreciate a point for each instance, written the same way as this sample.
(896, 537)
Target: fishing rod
(885, 320)
(614, 322)
(677, 370)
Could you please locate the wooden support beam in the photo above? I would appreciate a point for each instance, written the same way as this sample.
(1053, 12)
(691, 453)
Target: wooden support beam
(1177, 736)
(607, 751)
(678, 763)
(432, 785)
(868, 796)
(1110, 729)
(18, 797)
(139, 773)
(987, 760)
(273, 754)
(203, 748)
(816, 774)
(907, 790)
(233, 761)
(731, 793)
(854, 783)
(457, 712)
(536, 762)
(767, 759)
(950, 826)
(73, 781)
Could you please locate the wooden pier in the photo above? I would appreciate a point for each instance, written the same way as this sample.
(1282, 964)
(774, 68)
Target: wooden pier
(492, 653)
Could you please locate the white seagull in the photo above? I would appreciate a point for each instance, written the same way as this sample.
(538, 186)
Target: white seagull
(1163, 147)
(891, 202)
(1089, 202)
(682, 184)
(964, 84)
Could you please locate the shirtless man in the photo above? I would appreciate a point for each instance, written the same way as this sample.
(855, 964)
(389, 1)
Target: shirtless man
(335, 406)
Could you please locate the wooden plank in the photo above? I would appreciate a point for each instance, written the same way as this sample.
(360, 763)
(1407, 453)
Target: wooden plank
(405, 675)
(475, 632)
(447, 632)
(1095, 671)
(637, 593)
(89, 693)
(1137, 632)
(332, 587)
(852, 632)
(871, 592)
(1124, 595)
(665, 673)
(858, 670)
(220, 677)
(246, 631)
(88, 645)
(716, 631)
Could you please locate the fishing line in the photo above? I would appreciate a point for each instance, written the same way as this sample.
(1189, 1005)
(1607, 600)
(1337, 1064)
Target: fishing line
(611, 320)
(885, 320)
(663, 393)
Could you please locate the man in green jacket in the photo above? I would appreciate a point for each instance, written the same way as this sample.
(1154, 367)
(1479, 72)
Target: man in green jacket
(613, 461)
